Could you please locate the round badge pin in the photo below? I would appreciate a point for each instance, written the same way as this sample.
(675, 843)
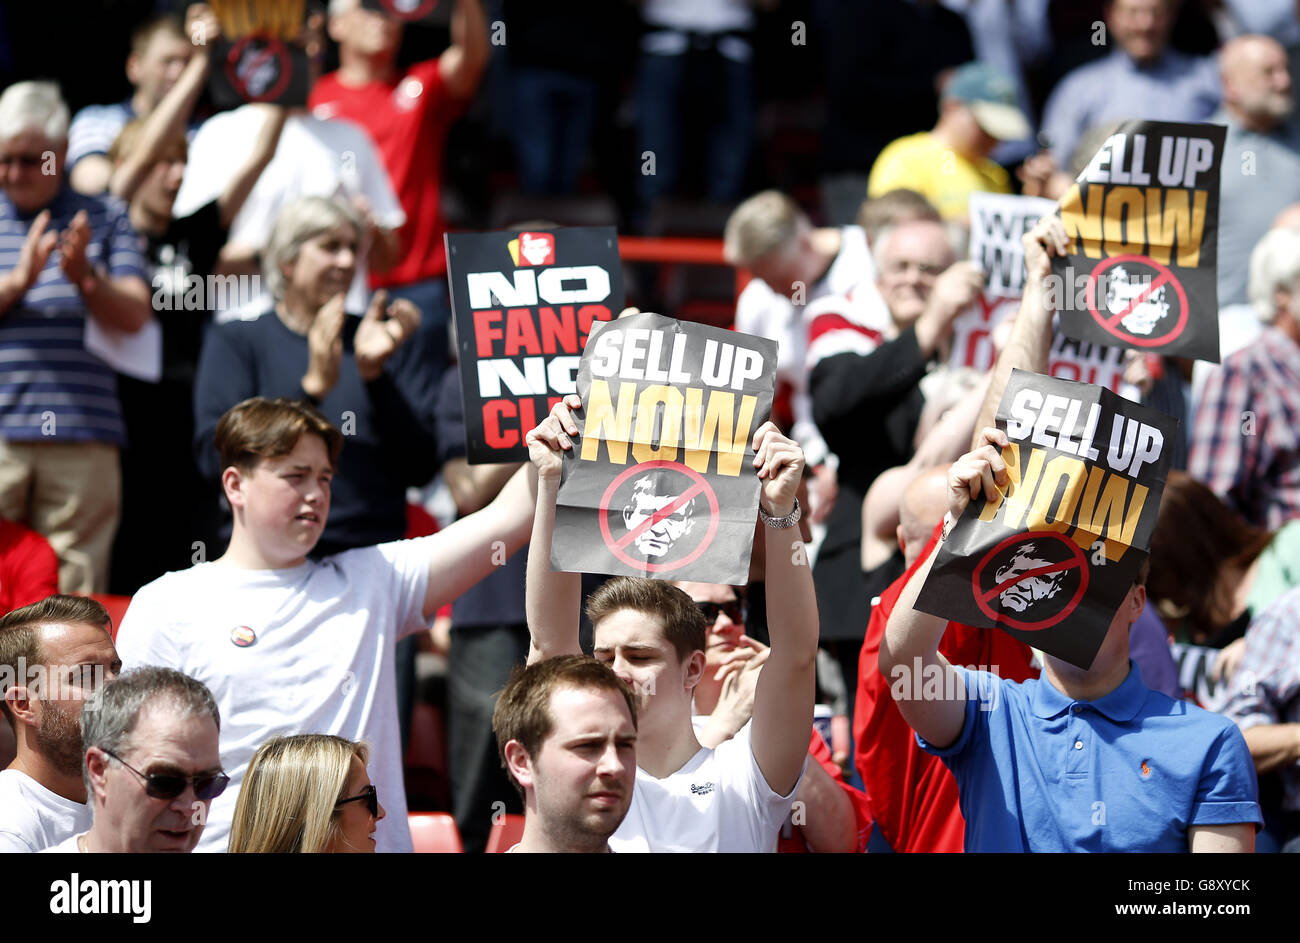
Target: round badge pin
(242, 636)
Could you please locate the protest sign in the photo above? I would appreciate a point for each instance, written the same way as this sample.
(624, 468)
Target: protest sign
(260, 57)
(1143, 220)
(998, 221)
(524, 303)
(413, 11)
(660, 481)
(1053, 557)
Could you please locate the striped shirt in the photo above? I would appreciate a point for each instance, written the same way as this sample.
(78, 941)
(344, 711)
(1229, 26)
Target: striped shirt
(96, 127)
(1246, 436)
(1266, 687)
(51, 387)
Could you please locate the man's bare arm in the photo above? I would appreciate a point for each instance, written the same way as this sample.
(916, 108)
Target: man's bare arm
(1221, 839)
(465, 59)
(912, 637)
(473, 486)
(466, 551)
(829, 825)
(551, 598)
(1273, 746)
(1030, 343)
(783, 700)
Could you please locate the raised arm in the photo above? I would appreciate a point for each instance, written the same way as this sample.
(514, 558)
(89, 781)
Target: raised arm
(465, 552)
(783, 701)
(1030, 342)
(167, 121)
(551, 598)
(912, 637)
(231, 200)
(463, 63)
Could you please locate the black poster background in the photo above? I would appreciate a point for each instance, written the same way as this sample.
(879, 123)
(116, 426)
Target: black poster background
(1109, 236)
(496, 416)
(603, 501)
(251, 64)
(1090, 578)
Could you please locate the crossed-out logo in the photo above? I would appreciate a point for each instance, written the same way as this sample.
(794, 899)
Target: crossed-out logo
(259, 67)
(75, 896)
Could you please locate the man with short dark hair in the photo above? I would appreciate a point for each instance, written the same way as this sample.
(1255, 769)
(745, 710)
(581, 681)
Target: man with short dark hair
(566, 728)
(735, 796)
(152, 766)
(53, 655)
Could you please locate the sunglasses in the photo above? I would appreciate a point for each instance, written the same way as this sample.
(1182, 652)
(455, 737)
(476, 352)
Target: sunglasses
(370, 796)
(171, 785)
(735, 612)
(26, 161)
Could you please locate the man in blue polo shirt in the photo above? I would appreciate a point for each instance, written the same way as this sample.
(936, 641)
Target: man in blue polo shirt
(65, 258)
(1077, 760)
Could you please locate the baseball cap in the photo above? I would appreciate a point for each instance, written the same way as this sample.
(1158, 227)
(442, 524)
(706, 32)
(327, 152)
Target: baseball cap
(991, 96)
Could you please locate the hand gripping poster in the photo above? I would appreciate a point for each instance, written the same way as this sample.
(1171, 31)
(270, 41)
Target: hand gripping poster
(1050, 561)
(661, 482)
(1143, 222)
(524, 304)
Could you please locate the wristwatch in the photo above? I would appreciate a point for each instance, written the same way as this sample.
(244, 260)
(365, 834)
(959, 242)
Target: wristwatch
(780, 523)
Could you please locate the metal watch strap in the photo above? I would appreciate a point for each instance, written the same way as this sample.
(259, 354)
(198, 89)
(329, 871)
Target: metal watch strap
(780, 523)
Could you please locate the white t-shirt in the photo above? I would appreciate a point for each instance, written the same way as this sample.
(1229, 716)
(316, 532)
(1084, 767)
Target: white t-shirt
(315, 157)
(308, 649)
(69, 846)
(32, 817)
(764, 312)
(718, 802)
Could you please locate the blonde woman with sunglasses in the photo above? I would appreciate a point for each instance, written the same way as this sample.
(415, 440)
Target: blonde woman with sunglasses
(307, 794)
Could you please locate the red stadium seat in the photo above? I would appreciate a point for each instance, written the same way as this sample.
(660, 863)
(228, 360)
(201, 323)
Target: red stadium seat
(435, 833)
(116, 606)
(505, 834)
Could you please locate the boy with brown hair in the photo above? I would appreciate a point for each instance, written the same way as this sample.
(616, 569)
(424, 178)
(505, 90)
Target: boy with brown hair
(289, 645)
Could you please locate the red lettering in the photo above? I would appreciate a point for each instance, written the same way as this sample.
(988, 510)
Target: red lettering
(978, 353)
(1064, 369)
(521, 332)
(589, 313)
(559, 335)
(493, 412)
(484, 331)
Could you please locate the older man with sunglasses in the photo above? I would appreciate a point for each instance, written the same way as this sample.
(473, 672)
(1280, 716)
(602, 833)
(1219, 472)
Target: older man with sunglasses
(151, 763)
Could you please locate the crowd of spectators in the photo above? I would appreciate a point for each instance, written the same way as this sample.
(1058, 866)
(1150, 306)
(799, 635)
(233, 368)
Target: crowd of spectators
(228, 380)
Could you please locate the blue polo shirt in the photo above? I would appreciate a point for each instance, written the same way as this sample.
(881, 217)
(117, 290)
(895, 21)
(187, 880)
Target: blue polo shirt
(1131, 771)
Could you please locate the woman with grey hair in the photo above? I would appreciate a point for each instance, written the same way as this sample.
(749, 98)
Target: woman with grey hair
(363, 372)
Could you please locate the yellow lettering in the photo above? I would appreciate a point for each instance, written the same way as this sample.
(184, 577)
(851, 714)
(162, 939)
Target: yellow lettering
(1179, 222)
(1110, 518)
(607, 425)
(1084, 225)
(1041, 517)
(1021, 490)
(652, 420)
(717, 421)
(1125, 224)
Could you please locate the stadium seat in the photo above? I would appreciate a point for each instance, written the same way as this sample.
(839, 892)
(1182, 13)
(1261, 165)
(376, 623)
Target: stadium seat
(116, 606)
(434, 833)
(505, 834)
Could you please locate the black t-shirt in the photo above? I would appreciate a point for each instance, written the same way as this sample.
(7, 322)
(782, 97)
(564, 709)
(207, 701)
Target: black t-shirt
(181, 261)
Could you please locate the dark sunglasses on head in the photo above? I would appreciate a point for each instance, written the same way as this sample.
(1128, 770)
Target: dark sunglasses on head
(735, 612)
(370, 796)
(171, 785)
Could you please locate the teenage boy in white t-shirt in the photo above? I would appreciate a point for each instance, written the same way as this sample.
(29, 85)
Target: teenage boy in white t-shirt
(288, 645)
(53, 655)
(689, 798)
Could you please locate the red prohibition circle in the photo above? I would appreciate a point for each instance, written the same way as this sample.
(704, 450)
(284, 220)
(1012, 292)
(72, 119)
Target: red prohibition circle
(1110, 324)
(273, 47)
(1077, 560)
(422, 9)
(612, 544)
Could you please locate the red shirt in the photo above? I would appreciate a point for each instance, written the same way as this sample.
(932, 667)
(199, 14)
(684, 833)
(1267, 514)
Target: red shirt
(913, 795)
(407, 118)
(29, 570)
